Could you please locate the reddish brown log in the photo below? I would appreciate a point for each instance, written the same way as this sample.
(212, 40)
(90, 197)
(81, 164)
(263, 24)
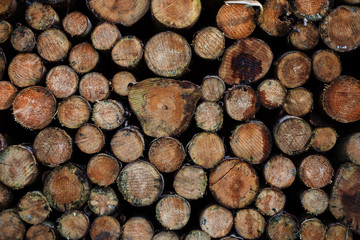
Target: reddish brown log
(326, 65)
(280, 172)
(76, 24)
(270, 201)
(338, 231)
(127, 144)
(11, 226)
(216, 221)
(5, 31)
(298, 102)
(83, 58)
(311, 229)
(323, 139)
(62, 81)
(40, 232)
(105, 227)
(121, 82)
(6, 197)
(7, 8)
(304, 36)
(166, 235)
(104, 36)
(73, 112)
(271, 93)
(53, 45)
(309, 10)
(7, 94)
(2, 63)
(249, 223)
(137, 228)
(127, 52)
(103, 169)
(41, 16)
(209, 43)
(89, 138)
(73, 224)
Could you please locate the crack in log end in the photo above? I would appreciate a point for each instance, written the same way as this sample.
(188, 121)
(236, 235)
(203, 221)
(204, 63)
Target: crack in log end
(245, 67)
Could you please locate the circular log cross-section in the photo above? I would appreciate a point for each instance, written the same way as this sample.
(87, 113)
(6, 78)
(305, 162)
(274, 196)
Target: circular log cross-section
(138, 228)
(53, 146)
(127, 144)
(234, 183)
(140, 183)
(105, 226)
(166, 154)
(237, 21)
(310, 10)
(298, 102)
(282, 226)
(7, 8)
(311, 229)
(241, 102)
(53, 45)
(33, 208)
(6, 197)
(18, 167)
(89, 138)
(340, 30)
(270, 201)
(197, 235)
(304, 36)
(209, 43)
(293, 69)
(212, 88)
(94, 87)
(216, 221)
(190, 182)
(206, 149)
(121, 81)
(83, 58)
(108, 114)
(326, 65)
(127, 52)
(66, 188)
(173, 212)
(166, 235)
(315, 201)
(251, 141)
(11, 226)
(76, 24)
(26, 69)
(62, 81)
(124, 12)
(73, 224)
(323, 139)
(182, 14)
(341, 99)
(39, 232)
(292, 135)
(7, 94)
(103, 201)
(5, 30)
(23, 39)
(338, 231)
(249, 223)
(271, 93)
(280, 172)
(350, 148)
(103, 169)
(104, 36)
(209, 116)
(167, 54)
(73, 112)
(246, 61)
(41, 16)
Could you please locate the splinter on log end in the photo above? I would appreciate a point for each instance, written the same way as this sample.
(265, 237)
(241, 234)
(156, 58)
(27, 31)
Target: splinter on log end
(104, 36)
(33, 208)
(270, 201)
(11, 226)
(127, 52)
(58, 41)
(298, 102)
(76, 24)
(137, 228)
(103, 169)
(304, 36)
(249, 223)
(282, 226)
(190, 182)
(121, 81)
(73, 224)
(323, 139)
(209, 116)
(105, 226)
(94, 87)
(103, 201)
(212, 88)
(280, 172)
(73, 112)
(41, 16)
(7, 94)
(127, 144)
(271, 93)
(89, 138)
(62, 81)
(83, 58)
(209, 43)
(312, 228)
(216, 221)
(315, 201)
(326, 65)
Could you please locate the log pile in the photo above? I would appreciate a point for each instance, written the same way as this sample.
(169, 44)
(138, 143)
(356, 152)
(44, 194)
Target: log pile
(179, 120)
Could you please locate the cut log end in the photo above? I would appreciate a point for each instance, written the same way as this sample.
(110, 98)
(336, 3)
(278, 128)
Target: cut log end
(108, 114)
(103, 201)
(2, 63)
(280, 172)
(138, 228)
(7, 8)
(104, 36)
(190, 182)
(62, 81)
(11, 226)
(311, 11)
(312, 228)
(103, 169)
(39, 232)
(271, 93)
(7, 94)
(127, 52)
(105, 226)
(197, 235)
(89, 138)
(53, 45)
(326, 65)
(216, 221)
(282, 226)
(23, 39)
(209, 116)
(304, 36)
(166, 235)
(76, 24)
(315, 201)
(209, 43)
(73, 112)
(94, 87)
(33, 208)
(338, 231)
(127, 144)
(270, 201)
(5, 30)
(83, 58)
(249, 224)
(6, 197)
(298, 102)
(212, 88)
(41, 16)
(121, 82)
(323, 139)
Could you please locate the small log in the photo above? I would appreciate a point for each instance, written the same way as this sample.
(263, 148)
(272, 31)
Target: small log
(234, 183)
(137, 228)
(73, 112)
(127, 52)
(241, 102)
(166, 235)
(2, 63)
(216, 221)
(104, 36)
(249, 223)
(274, 19)
(311, 229)
(103, 169)
(304, 36)
(11, 226)
(26, 69)
(183, 14)
(121, 82)
(173, 212)
(237, 21)
(5, 30)
(140, 183)
(7, 94)
(246, 61)
(73, 224)
(76, 24)
(62, 81)
(40, 232)
(41, 16)
(344, 200)
(338, 231)
(66, 188)
(6, 197)
(341, 99)
(127, 144)
(315, 201)
(33, 208)
(167, 54)
(23, 39)
(89, 138)
(190, 182)
(323, 139)
(7, 8)
(59, 43)
(212, 88)
(270, 201)
(316, 171)
(103, 201)
(124, 12)
(53, 146)
(292, 135)
(209, 43)
(197, 235)
(166, 154)
(206, 149)
(298, 102)
(209, 116)
(18, 167)
(164, 107)
(94, 87)
(83, 58)
(108, 114)
(271, 93)
(105, 227)
(346, 18)
(326, 65)
(280, 172)
(293, 69)
(311, 11)
(282, 226)
(251, 141)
